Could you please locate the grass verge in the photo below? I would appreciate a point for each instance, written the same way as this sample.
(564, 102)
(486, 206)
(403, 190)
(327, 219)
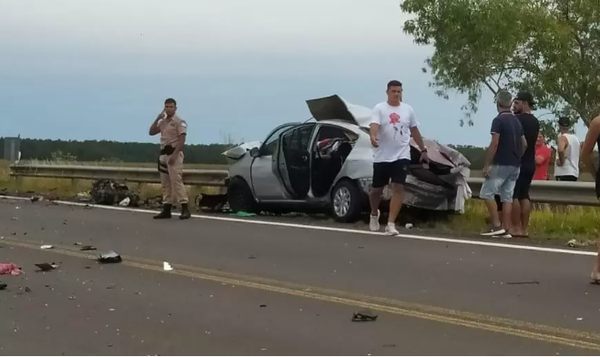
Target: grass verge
(556, 223)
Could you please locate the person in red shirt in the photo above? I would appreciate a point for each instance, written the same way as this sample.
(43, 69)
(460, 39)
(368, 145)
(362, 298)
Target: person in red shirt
(542, 159)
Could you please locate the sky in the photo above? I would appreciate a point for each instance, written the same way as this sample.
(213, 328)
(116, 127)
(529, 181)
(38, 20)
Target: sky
(101, 69)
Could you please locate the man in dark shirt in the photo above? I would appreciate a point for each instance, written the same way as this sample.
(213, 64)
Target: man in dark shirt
(521, 208)
(502, 165)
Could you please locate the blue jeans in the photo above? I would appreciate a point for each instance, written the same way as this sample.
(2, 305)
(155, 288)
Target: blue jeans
(501, 182)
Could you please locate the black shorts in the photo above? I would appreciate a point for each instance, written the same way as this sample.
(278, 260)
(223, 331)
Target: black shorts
(523, 183)
(566, 178)
(395, 171)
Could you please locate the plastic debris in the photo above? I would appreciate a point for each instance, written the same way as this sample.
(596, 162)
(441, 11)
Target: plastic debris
(408, 225)
(2, 285)
(167, 266)
(245, 214)
(364, 315)
(87, 248)
(110, 257)
(125, 202)
(9, 269)
(47, 246)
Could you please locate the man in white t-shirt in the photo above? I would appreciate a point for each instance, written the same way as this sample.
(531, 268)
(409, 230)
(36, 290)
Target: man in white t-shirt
(392, 125)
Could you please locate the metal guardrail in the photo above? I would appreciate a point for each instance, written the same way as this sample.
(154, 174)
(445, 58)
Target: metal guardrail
(554, 192)
(127, 174)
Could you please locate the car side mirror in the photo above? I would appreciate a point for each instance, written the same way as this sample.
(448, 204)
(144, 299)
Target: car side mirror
(254, 152)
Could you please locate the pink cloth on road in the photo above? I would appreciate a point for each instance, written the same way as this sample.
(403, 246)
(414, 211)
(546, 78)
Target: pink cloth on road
(9, 268)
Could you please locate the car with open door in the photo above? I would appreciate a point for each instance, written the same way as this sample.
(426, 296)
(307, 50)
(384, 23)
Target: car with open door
(327, 163)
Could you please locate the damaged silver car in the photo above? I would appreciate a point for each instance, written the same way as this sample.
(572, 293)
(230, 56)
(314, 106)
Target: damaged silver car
(326, 163)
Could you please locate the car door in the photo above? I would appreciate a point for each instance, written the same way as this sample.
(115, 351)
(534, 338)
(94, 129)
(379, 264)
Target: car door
(292, 160)
(265, 183)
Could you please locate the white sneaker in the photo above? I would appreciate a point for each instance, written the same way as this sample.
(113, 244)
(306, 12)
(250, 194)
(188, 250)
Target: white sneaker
(391, 230)
(374, 222)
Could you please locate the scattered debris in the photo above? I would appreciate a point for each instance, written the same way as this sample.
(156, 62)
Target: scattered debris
(47, 246)
(15, 218)
(408, 225)
(72, 298)
(523, 282)
(77, 243)
(364, 315)
(212, 203)
(111, 287)
(9, 269)
(37, 198)
(167, 266)
(27, 289)
(87, 248)
(110, 257)
(390, 345)
(110, 192)
(251, 257)
(263, 305)
(46, 266)
(111, 309)
(2, 285)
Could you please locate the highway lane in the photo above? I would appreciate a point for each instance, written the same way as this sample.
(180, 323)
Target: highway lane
(449, 276)
(87, 309)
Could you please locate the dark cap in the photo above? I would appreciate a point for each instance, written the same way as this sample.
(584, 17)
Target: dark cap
(525, 96)
(564, 121)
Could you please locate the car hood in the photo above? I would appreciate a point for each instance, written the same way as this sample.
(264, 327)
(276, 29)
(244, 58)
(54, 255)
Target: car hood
(239, 151)
(443, 154)
(336, 108)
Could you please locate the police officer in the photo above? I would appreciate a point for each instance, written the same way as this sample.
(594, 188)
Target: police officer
(172, 131)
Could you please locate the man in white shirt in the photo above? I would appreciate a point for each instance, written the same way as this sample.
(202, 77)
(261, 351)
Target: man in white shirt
(392, 125)
(566, 165)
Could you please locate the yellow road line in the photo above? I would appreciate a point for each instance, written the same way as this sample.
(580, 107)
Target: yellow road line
(544, 333)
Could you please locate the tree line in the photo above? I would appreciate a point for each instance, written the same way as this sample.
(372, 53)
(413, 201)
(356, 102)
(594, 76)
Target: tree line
(113, 151)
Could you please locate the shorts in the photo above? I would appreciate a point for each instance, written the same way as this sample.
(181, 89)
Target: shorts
(566, 178)
(395, 171)
(523, 183)
(501, 182)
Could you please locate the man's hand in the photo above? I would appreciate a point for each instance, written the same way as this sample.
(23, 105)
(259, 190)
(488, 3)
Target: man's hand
(374, 142)
(486, 171)
(424, 157)
(161, 115)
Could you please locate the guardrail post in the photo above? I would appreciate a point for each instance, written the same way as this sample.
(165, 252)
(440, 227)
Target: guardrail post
(18, 182)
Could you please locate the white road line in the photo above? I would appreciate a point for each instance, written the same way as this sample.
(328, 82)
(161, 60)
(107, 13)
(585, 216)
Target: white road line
(333, 229)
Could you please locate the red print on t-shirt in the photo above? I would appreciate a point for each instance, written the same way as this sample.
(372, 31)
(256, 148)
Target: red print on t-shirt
(394, 118)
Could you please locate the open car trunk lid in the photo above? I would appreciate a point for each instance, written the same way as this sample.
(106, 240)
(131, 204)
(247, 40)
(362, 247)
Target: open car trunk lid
(335, 108)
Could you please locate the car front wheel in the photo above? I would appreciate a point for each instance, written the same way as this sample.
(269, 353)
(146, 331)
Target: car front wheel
(240, 196)
(346, 202)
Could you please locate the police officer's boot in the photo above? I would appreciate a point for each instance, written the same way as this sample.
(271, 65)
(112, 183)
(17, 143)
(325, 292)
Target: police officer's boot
(185, 211)
(165, 213)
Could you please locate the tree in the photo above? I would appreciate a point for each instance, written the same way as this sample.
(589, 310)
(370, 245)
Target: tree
(549, 47)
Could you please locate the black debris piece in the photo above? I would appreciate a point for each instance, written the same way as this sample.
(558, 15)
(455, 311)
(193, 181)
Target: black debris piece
(263, 305)
(251, 257)
(27, 289)
(364, 315)
(87, 248)
(46, 266)
(111, 287)
(211, 203)
(535, 282)
(35, 198)
(2, 285)
(110, 257)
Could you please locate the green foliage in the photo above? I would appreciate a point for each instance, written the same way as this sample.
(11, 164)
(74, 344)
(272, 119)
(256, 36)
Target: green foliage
(549, 47)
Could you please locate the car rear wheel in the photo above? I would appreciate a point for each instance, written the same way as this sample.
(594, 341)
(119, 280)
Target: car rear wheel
(240, 196)
(346, 202)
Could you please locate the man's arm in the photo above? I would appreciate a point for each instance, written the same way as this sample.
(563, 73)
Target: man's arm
(491, 150)
(524, 143)
(414, 130)
(587, 150)
(182, 131)
(562, 146)
(155, 127)
(374, 126)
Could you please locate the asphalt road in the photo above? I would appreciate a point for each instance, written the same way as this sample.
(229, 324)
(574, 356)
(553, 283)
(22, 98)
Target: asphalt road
(248, 289)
